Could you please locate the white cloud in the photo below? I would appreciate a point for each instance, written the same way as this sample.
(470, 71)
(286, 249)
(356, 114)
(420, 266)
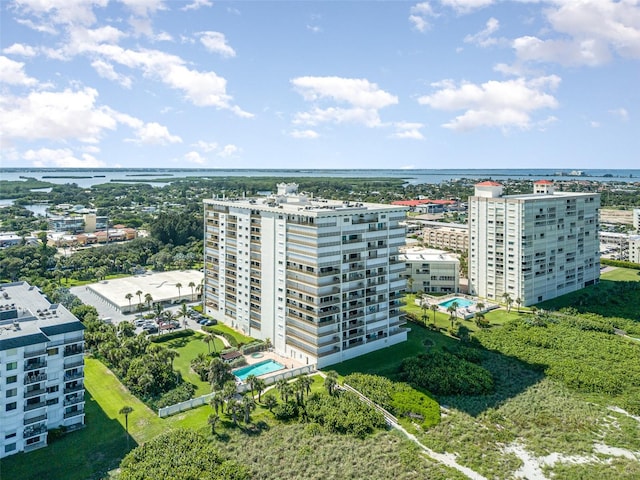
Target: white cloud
(71, 12)
(594, 124)
(106, 70)
(483, 38)
(154, 134)
(408, 130)
(56, 116)
(494, 104)
(195, 157)
(144, 8)
(621, 113)
(466, 6)
(314, 28)
(419, 14)
(304, 134)
(217, 43)
(12, 73)
(592, 31)
(229, 151)
(20, 49)
(362, 97)
(60, 158)
(205, 146)
(197, 4)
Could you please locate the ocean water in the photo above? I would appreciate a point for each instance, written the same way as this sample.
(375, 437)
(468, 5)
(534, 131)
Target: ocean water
(92, 177)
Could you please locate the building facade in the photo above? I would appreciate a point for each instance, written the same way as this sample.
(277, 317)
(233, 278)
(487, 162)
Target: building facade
(634, 249)
(319, 278)
(534, 247)
(430, 270)
(447, 236)
(41, 368)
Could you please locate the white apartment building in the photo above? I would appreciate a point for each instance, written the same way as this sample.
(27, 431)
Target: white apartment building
(534, 247)
(319, 278)
(450, 236)
(41, 368)
(636, 220)
(430, 270)
(634, 248)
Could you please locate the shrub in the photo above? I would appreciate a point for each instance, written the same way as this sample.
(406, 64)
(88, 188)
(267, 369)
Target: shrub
(286, 411)
(181, 393)
(165, 337)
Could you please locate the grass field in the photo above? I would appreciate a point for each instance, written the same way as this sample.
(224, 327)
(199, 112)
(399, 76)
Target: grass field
(189, 348)
(618, 274)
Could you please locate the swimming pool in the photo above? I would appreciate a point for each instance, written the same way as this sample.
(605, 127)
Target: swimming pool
(462, 302)
(260, 368)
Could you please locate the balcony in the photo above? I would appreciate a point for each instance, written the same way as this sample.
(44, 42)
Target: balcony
(37, 353)
(32, 406)
(74, 413)
(28, 366)
(73, 388)
(74, 350)
(73, 376)
(31, 421)
(33, 431)
(35, 446)
(34, 393)
(73, 364)
(29, 379)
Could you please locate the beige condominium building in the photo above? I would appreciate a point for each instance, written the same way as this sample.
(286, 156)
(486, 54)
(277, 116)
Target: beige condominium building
(534, 246)
(430, 270)
(319, 278)
(41, 368)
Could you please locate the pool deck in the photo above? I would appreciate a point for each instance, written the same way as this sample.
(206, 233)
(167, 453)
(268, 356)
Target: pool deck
(271, 355)
(466, 313)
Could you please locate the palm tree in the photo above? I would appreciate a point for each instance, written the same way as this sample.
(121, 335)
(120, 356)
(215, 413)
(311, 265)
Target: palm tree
(139, 294)
(216, 402)
(126, 410)
(184, 312)
(330, 381)
(234, 407)
(209, 339)
(251, 381)
(424, 305)
(480, 306)
(434, 309)
(518, 302)
(283, 388)
(270, 401)
(410, 284)
(260, 385)
(171, 355)
(192, 286)
(248, 404)
(452, 309)
(212, 420)
(267, 343)
(178, 286)
(148, 300)
(507, 300)
(129, 296)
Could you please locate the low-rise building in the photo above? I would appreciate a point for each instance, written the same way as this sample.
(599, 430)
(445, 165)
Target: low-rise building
(446, 236)
(430, 271)
(41, 368)
(634, 248)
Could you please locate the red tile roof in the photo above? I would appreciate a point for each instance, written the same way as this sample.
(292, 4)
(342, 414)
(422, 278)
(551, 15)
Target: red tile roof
(488, 183)
(544, 182)
(415, 203)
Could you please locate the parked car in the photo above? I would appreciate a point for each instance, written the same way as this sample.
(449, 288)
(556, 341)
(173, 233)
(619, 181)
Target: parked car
(140, 322)
(203, 320)
(209, 323)
(150, 329)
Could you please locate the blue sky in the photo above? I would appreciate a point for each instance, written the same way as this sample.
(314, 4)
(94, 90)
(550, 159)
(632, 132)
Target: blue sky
(358, 84)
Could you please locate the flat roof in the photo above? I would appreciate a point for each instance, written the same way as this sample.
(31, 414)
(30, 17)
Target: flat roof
(28, 318)
(421, 254)
(161, 286)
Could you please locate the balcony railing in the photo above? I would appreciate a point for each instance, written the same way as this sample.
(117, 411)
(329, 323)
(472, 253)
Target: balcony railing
(73, 364)
(74, 388)
(37, 353)
(32, 406)
(73, 376)
(39, 418)
(73, 400)
(33, 431)
(74, 413)
(73, 351)
(34, 393)
(28, 366)
(29, 379)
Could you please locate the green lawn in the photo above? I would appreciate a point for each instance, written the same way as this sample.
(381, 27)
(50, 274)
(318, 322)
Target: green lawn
(619, 274)
(189, 348)
(240, 338)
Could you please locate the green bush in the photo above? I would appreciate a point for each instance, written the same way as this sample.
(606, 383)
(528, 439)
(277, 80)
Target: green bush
(445, 374)
(181, 393)
(286, 411)
(165, 337)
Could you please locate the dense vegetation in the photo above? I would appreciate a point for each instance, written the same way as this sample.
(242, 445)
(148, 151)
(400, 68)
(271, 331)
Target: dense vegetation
(180, 455)
(343, 413)
(398, 398)
(583, 352)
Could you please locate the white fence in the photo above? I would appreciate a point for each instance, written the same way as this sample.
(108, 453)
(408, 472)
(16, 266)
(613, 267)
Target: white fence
(242, 388)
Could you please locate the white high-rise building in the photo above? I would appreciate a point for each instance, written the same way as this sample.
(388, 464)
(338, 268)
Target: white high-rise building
(534, 247)
(41, 368)
(319, 278)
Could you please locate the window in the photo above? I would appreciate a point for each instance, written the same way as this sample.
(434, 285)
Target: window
(52, 351)
(12, 365)
(53, 389)
(9, 448)
(12, 392)
(12, 379)
(10, 435)
(11, 406)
